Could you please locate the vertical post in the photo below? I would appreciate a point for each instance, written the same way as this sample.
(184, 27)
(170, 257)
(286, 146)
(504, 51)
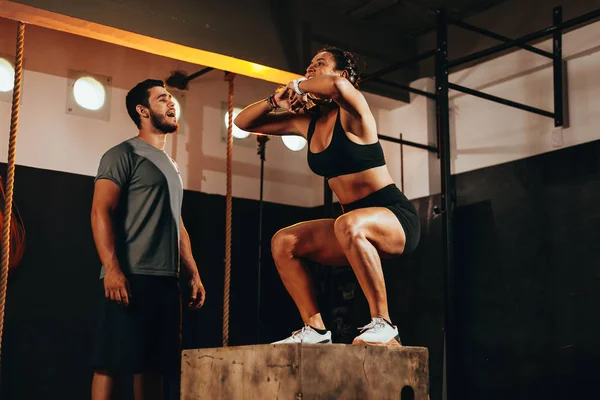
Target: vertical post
(558, 68)
(401, 165)
(328, 272)
(327, 199)
(229, 77)
(441, 78)
(262, 145)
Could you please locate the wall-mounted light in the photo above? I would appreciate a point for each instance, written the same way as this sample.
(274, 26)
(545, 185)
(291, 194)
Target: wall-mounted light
(294, 143)
(237, 132)
(7, 75)
(240, 137)
(88, 95)
(177, 107)
(7, 78)
(179, 98)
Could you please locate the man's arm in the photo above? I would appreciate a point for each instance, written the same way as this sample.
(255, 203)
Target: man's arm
(190, 269)
(104, 204)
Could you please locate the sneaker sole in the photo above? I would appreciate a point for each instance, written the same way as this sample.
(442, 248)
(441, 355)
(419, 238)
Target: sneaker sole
(395, 342)
(321, 342)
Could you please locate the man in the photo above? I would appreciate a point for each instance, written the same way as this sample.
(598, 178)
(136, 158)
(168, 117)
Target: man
(141, 239)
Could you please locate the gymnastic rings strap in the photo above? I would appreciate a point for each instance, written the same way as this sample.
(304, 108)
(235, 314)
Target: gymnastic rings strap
(10, 174)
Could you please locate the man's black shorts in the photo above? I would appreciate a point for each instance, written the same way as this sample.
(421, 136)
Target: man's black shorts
(144, 336)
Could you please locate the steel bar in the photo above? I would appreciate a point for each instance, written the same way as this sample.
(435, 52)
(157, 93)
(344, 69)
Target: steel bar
(501, 100)
(557, 65)
(496, 36)
(408, 143)
(527, 38)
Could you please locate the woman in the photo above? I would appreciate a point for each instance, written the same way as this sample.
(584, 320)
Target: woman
(378, 220)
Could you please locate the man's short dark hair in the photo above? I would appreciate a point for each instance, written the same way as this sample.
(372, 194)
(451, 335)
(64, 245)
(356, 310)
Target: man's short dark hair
(140, 94)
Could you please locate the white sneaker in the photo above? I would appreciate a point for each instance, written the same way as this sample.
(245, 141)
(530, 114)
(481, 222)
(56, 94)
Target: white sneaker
(307, 335)
(378, 333)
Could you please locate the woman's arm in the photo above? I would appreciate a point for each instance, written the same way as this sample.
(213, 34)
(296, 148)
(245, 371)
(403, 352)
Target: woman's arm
(340, 90)
(350, 99)
(260, 118)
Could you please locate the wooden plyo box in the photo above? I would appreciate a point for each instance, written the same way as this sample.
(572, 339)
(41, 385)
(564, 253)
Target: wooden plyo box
(305, 372)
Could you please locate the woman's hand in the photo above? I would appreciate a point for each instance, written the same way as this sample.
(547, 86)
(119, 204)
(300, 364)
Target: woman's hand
(289, 100)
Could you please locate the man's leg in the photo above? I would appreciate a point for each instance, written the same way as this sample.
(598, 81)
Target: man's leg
(104, 382)
(148, 386)
(169, 347)
(102, 385)
(123, 342)
(159, 324)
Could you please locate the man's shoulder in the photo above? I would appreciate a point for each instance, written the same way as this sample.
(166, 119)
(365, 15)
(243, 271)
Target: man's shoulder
(122, 149)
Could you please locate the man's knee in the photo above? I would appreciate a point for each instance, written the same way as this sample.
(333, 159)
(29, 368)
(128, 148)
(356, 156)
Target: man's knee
(103, 374)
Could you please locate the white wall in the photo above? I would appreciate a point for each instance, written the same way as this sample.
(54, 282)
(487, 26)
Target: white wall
(416, 122)
(50, 138)
(488, 133)
(485, 133)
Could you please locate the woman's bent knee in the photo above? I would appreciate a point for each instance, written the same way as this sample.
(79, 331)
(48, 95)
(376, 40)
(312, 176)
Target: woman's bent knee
(348, 229)
(283, 244)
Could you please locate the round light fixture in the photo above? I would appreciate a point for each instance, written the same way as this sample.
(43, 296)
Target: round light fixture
(237, 132)
(177, 108)
(7, 76)
(89, 93)
(294, 143)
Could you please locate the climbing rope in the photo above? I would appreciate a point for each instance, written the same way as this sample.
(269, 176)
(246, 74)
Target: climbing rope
(228, 202)
(10, 178)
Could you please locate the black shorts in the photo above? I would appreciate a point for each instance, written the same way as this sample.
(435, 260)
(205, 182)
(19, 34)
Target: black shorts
(393, 199)
(144, 336)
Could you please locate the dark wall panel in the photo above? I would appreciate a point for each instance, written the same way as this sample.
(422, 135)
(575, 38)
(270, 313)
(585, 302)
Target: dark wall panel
(527, 276)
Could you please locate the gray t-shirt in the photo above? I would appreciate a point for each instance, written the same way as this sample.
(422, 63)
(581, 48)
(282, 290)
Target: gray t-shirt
(147, 219)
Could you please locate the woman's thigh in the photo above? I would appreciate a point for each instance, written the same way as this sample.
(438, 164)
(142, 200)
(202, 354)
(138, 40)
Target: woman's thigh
(378, 224)
(314, 240)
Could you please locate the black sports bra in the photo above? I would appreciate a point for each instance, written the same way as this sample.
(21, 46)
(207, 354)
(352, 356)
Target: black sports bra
(342, 156)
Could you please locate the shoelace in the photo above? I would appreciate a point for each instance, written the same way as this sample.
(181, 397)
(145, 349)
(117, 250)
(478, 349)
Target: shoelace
(301, 332)
(374, 324)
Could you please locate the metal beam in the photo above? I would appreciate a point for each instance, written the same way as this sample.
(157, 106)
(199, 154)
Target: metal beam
(527, 38)
(501, 100)
(404, 87)
(496, 36)
(557, 65)
(443, 126)
(408, 143)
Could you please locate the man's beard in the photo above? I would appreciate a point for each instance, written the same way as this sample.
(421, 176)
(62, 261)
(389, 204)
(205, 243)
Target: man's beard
(162, 124)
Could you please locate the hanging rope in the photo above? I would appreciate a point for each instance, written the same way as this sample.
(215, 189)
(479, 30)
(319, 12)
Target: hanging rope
(228, 201)
(10, 178)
